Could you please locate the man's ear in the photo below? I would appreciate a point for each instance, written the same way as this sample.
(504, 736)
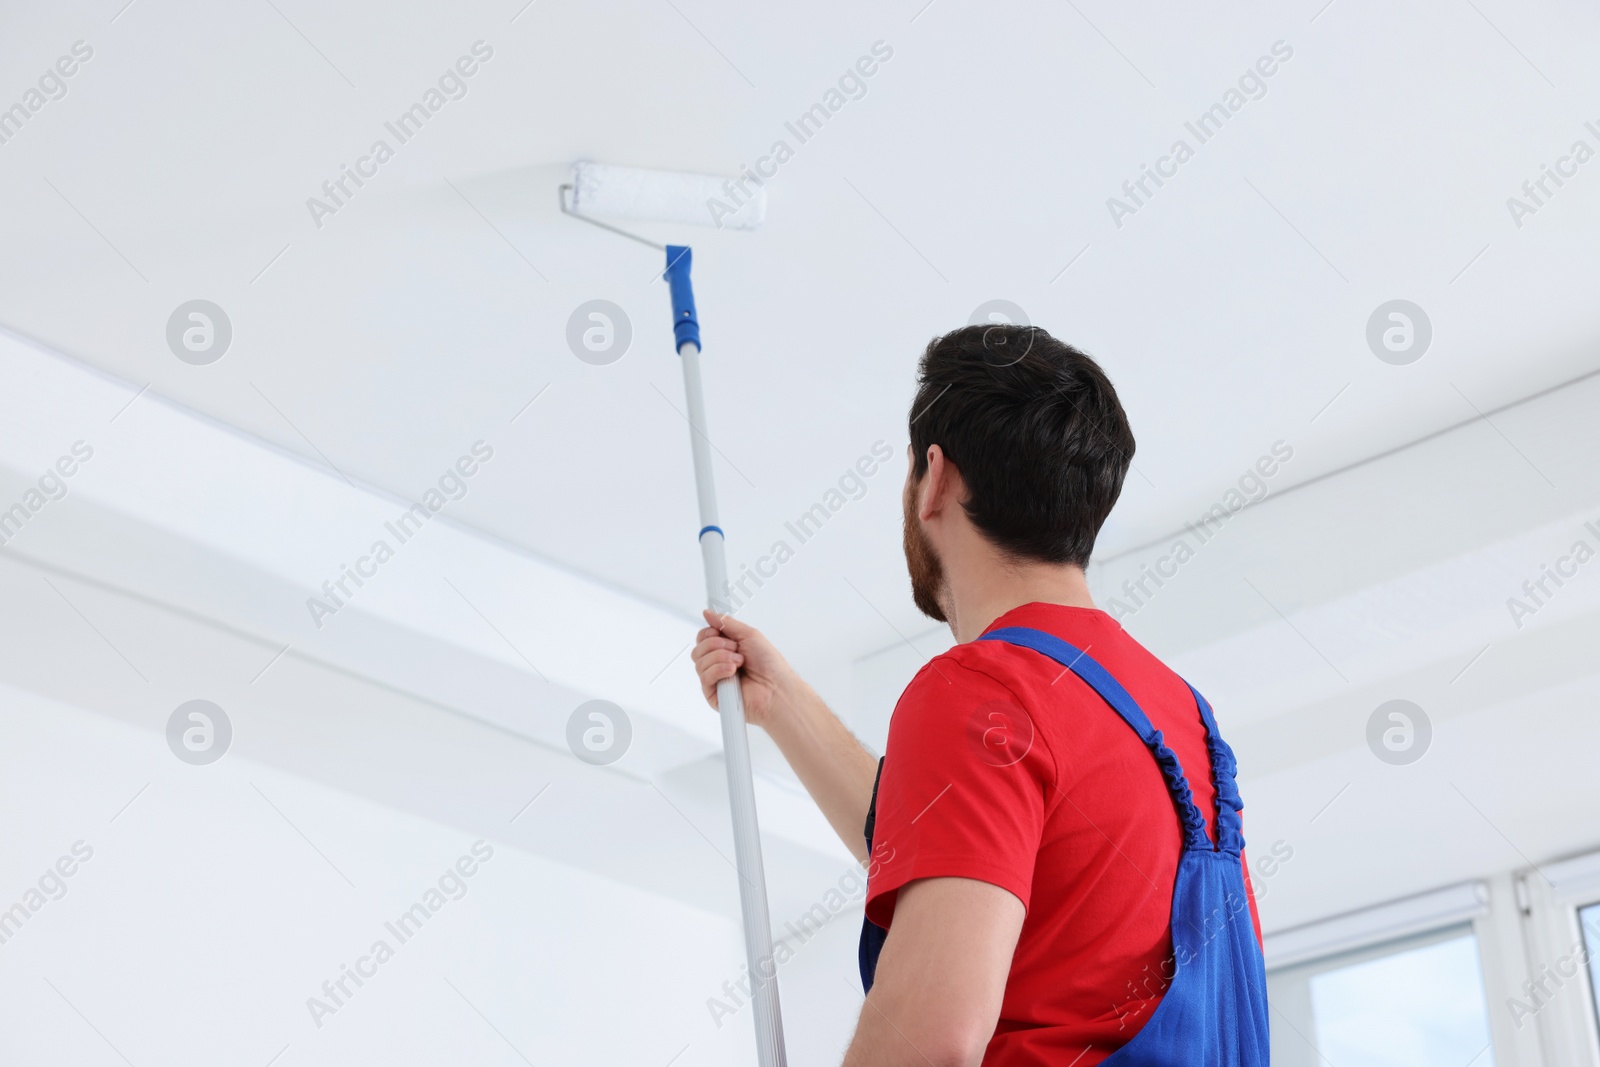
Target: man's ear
(935, 484)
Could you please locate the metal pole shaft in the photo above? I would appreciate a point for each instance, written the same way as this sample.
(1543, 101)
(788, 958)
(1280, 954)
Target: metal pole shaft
(735, 745)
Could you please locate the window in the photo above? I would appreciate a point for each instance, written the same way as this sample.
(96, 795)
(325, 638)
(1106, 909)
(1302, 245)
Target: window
(1589, 923)
(1414, 1003)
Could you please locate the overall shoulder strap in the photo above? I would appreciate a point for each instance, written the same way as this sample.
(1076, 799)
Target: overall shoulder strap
(1224, 768)
(1111, 691)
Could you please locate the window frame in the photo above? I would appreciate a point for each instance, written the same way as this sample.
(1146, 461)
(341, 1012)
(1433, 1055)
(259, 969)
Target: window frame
(1549, 898)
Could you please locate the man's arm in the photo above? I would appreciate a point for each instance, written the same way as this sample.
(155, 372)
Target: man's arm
(936, 993)
(833, 766)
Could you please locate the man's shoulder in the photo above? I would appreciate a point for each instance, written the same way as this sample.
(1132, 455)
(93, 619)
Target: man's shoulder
(1019, 668)
(998, 669)
(968, 680)
(975, 665)
(968, 711)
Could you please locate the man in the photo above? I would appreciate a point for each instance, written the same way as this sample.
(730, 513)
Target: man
(1054, 887)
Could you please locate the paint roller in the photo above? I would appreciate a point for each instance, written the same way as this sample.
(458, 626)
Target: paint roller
(638, 195)
(599, 192)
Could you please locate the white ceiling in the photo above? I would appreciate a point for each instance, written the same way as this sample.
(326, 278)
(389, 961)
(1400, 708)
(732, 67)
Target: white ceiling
(1231, 310)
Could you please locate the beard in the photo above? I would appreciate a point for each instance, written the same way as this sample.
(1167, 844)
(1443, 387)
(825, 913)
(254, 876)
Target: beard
(922, 561)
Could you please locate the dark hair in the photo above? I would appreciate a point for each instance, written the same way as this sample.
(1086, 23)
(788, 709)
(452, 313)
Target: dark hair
(1036, 430)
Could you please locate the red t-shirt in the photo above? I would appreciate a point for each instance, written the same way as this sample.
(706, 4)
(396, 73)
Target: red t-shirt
(1004, 767)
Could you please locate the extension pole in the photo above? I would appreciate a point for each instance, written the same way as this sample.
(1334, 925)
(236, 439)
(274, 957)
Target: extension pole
(730, 698)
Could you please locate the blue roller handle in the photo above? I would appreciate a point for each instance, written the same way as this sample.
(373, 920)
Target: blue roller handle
(685, 327)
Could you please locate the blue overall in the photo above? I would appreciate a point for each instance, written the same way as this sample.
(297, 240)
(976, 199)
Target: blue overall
(1214, 1012)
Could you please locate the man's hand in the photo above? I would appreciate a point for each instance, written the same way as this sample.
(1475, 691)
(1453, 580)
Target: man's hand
(829, 761)
(941, 977)
(727, 646)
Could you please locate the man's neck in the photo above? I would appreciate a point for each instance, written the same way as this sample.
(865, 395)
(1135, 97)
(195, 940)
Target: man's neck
(988, 586)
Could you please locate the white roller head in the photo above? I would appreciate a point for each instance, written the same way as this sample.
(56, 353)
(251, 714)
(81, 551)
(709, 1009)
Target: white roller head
(607, 191)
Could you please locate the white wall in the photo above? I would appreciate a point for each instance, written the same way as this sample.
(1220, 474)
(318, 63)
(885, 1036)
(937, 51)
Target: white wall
(222, 896)
(217, 902)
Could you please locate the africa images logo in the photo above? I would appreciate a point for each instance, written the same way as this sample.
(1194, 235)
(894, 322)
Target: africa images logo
(1000, 732)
